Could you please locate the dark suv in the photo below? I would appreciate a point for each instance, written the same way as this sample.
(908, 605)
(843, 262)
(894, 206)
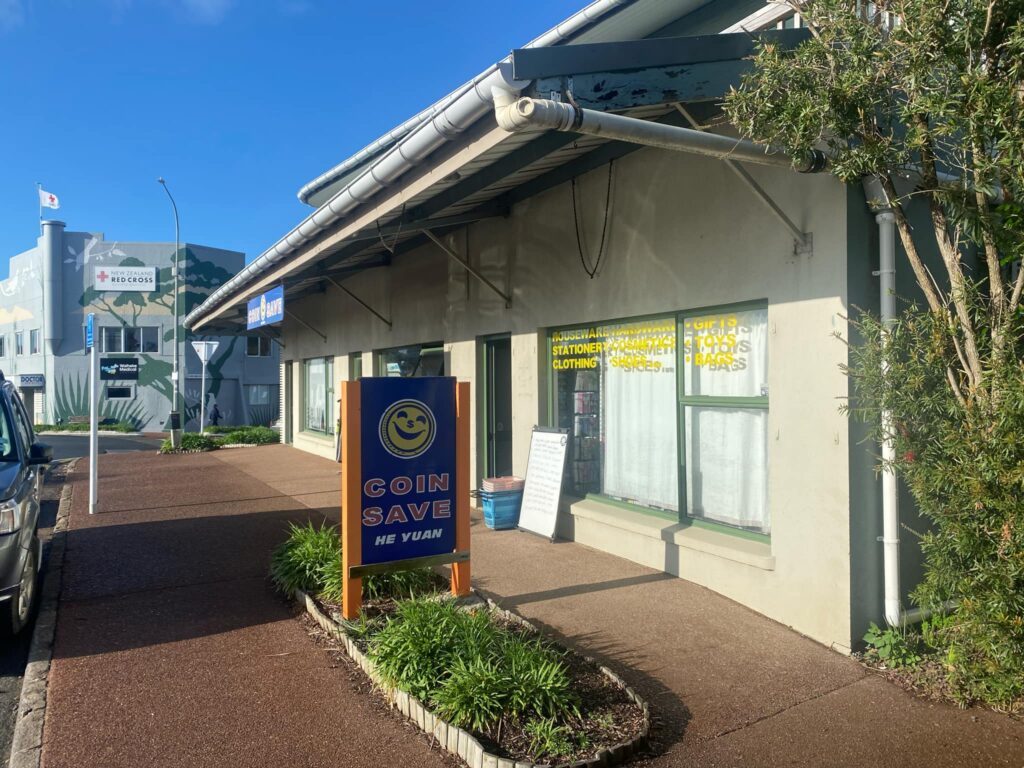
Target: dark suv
(20, 478)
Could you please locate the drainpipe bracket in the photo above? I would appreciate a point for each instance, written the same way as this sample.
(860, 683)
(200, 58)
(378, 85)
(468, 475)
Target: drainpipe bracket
(804, 247)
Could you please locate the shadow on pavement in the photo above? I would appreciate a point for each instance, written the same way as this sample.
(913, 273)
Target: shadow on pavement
(147, 583)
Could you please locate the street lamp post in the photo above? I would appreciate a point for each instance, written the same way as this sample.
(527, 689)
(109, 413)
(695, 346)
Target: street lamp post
(175, 400)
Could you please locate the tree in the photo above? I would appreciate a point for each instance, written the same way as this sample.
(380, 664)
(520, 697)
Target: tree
(932, 93)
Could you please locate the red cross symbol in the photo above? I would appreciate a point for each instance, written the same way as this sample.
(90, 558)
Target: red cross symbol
(102, 276)
(52, 199)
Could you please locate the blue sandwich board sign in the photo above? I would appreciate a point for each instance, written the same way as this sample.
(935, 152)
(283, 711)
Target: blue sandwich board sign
(408, 467)
(266, 309)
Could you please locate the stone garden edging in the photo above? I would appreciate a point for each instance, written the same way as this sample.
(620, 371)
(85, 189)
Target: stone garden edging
(456, 740)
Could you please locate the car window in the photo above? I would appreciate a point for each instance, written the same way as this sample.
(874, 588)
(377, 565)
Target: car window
(8, 441)
(24, 422)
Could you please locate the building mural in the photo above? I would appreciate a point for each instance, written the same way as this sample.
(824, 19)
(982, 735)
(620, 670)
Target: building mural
(52, 288)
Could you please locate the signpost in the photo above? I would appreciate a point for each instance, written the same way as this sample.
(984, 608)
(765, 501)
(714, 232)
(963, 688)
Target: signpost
(205, 350)
(405, 480)
(90, 343)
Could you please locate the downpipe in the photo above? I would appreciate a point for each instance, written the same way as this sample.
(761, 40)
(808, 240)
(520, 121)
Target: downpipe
(516, 114)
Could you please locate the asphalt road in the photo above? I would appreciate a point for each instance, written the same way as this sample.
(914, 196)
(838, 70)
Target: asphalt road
(75, 445)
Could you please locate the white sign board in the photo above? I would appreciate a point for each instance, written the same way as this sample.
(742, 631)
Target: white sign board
(205, 350)
(543, 487)
(119, 279)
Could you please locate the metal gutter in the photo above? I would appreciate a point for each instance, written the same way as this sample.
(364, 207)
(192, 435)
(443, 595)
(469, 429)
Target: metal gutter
(471, 103)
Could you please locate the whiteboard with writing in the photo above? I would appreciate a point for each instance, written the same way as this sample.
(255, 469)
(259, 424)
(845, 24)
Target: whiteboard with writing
(543, 486)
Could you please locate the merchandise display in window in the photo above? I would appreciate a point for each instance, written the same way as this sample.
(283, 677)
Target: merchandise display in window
(615, 394)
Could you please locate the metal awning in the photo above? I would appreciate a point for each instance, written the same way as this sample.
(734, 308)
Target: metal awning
(487, 170)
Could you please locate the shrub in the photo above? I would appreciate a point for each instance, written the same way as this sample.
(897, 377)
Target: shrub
(250, 436)
(191, 441)
(473, 671)
(962, 461)
(300, 562)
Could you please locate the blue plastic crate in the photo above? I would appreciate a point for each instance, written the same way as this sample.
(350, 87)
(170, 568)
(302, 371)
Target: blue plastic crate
(501, 508)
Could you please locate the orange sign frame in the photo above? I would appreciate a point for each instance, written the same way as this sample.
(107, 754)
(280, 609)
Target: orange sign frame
(351, 497)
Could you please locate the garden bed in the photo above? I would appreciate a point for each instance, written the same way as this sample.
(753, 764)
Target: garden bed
(611, 726)
(484, 682)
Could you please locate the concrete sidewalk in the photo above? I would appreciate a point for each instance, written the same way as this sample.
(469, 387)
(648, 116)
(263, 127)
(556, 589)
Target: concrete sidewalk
(172, 650)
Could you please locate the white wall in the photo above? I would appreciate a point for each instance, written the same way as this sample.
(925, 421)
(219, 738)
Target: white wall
(684, 234)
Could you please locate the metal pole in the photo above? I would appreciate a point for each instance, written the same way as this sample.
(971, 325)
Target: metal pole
(93, 426)
(175, 378)
(202, 399)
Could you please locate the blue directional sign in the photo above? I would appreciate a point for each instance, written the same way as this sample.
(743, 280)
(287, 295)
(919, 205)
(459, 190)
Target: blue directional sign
(408, 467)
(265, 309)
(90, 322)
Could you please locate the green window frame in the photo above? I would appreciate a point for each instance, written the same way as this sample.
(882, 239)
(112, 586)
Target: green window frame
(759, 402)
(713, 402)
(355, 366)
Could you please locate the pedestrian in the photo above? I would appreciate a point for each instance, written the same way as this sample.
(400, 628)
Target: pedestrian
(214, 415)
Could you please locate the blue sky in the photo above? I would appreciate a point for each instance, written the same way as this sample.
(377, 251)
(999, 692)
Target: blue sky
(237, 103)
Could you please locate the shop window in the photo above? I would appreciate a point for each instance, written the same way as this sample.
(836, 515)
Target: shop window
(19, 343)
(150, 339)
(318, 395)
(3, 346)
(615, 390)
(119, 393)
(257, 346)
(33, 341)
(725, 417)
(355, 366)
(259, 394)
(415, 361)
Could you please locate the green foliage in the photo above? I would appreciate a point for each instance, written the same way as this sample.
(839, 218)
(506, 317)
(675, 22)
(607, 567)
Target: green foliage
(299, 563)
(548, 738)
(191, 441)
(78, 426)
(251, 436)
(220, 429)
(316, 553)
(400, 584)
(471, 670)
(895, 648)
(965, 469)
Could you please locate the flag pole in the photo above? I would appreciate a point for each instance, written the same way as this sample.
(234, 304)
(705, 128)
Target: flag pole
(39, 198)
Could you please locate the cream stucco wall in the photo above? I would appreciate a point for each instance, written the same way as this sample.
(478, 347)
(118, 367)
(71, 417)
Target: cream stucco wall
(684, 233)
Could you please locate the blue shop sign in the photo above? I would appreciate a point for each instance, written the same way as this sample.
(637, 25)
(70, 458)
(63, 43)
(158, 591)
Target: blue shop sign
(265, 309)
(408, 467)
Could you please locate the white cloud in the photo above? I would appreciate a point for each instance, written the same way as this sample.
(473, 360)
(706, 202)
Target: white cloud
(12, 13)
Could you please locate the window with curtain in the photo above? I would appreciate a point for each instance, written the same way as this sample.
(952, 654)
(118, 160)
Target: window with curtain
(615, 390)
(318, 395)
(724, 358)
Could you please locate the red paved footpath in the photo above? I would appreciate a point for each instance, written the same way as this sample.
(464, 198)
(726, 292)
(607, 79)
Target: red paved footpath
(169, 644)
(172, 648)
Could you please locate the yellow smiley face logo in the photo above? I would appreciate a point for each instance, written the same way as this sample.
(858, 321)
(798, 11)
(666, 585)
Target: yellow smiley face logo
(407, 429)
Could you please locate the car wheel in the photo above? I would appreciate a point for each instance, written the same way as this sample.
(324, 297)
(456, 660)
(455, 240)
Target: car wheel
(16, 613)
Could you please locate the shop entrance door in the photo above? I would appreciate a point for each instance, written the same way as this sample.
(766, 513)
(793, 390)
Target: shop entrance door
(498, 405)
